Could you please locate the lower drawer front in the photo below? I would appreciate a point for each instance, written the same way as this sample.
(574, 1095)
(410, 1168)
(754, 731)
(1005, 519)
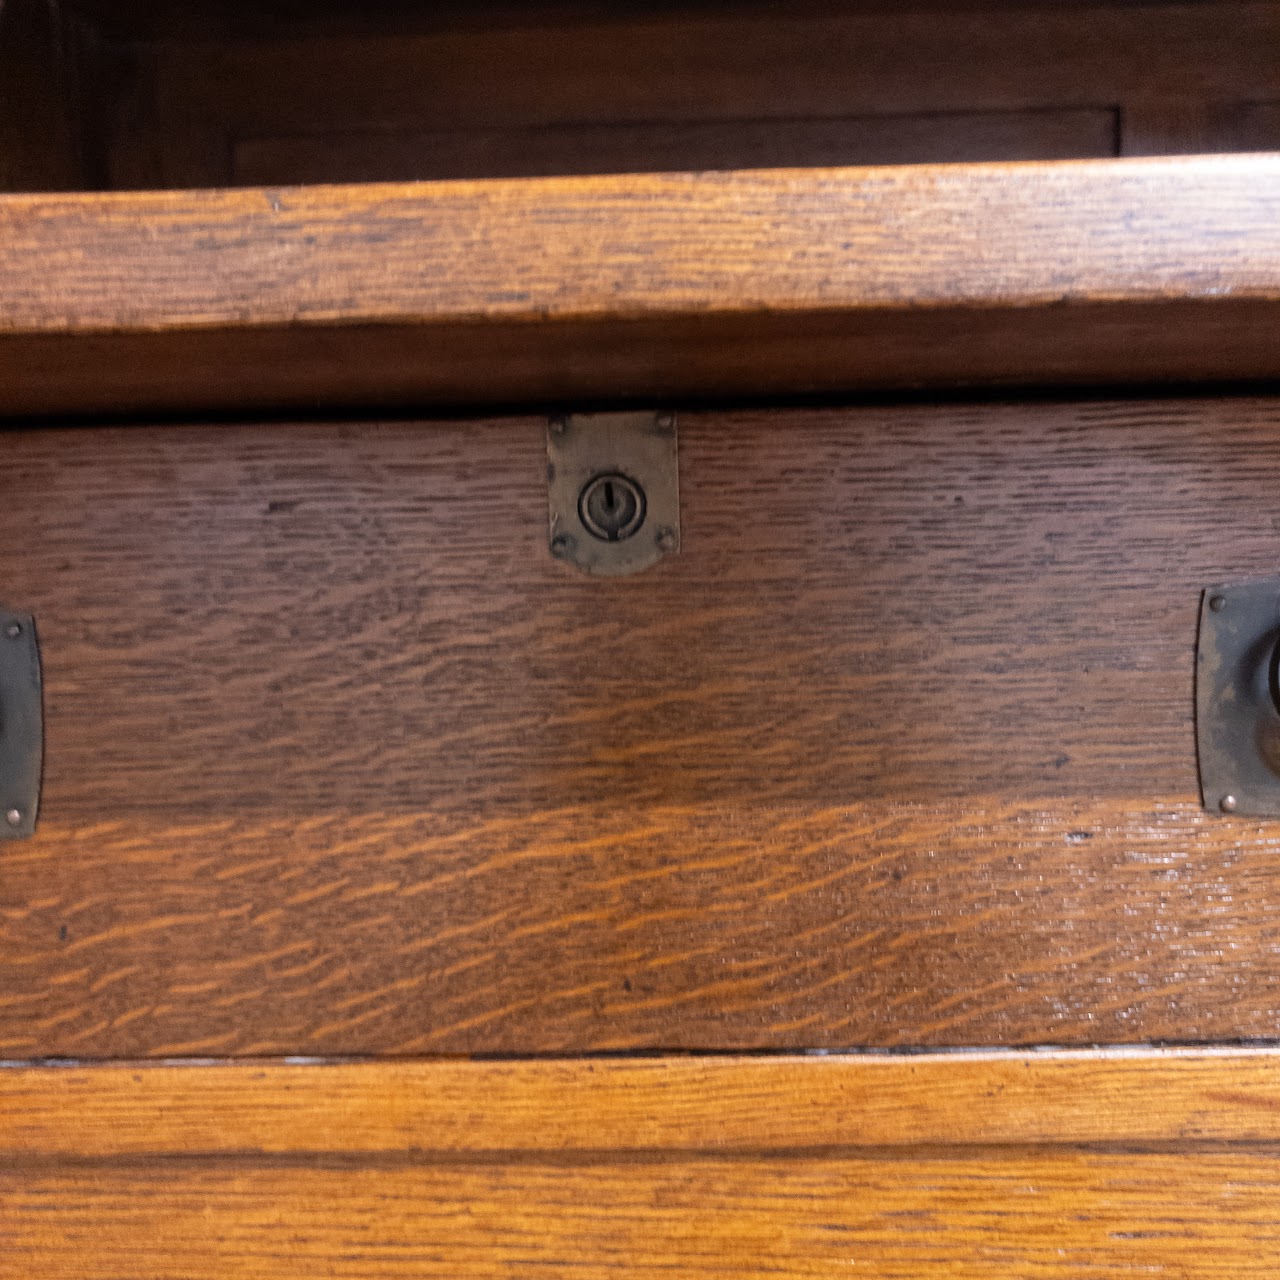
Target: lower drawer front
(898, 750)
(1059, 1166)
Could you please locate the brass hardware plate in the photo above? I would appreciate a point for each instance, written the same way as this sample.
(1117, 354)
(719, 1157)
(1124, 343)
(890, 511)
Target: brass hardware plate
(613, 490)
(21, 725)
(1238, 699)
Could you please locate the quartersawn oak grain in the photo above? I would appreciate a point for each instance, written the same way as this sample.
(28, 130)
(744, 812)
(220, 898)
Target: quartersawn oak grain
(1132, 1098)
(898, 751)
(642, 285)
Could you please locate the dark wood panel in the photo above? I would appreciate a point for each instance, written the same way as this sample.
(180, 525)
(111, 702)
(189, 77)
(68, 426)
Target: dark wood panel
(1191, 126)
(642, 285)
(187, 103)
(1257, 127)
(739, 144)
(162, 98)
(707, 66)
(38, 144)
(898, 750)
(220, 20)
(1063, 1216)
(1145, 1098)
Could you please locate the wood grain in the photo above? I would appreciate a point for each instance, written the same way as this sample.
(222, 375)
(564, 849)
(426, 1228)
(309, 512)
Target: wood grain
(381, 156)
(1072, 1216)
(897, 751)
(642, 285)
(1134, 1098)
(186, 102)
(1092, 1165)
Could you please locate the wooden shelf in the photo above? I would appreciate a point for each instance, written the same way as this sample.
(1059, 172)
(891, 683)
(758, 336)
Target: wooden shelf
(642, 286)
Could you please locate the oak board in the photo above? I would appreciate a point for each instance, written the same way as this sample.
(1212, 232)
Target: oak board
(640, 286)
(1086, 1216)
(1141, 1099)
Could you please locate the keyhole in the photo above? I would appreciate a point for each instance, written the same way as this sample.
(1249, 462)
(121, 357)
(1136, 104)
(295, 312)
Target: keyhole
(611, 507)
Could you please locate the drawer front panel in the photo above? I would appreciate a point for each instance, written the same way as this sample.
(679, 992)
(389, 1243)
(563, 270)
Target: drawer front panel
(898, 750)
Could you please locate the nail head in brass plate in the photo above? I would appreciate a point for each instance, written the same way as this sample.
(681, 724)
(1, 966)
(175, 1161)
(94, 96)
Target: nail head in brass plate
(613, 490)
(1238, 699)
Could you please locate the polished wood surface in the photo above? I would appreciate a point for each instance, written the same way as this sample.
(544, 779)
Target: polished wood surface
(642, 285)
(897, 751)
(674, 1104)
(890, 1168)
(1080, 1216)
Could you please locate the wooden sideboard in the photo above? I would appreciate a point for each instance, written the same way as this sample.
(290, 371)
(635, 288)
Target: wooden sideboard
(835, 896)
(1069, 1164)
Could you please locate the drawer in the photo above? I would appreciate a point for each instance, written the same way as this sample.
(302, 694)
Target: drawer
(898, 749)
(834, 894)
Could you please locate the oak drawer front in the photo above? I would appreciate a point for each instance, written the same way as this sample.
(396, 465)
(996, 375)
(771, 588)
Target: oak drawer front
(1054, 1164)
(898, 750)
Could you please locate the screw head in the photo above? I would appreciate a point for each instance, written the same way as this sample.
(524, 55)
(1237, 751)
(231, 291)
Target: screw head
(13, 817)
(666, 421)
(1217, 603)
(562, 544)
(558, 424)
(1228, 804)
(665, 538)
(13, 630)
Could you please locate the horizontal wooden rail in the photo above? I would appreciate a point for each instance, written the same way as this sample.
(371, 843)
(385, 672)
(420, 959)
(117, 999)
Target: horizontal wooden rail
(779, 281)
(669, 1104)
(1067, 1166)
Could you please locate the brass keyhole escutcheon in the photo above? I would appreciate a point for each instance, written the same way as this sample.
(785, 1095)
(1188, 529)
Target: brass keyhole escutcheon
(613, 490)
(612, 507)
